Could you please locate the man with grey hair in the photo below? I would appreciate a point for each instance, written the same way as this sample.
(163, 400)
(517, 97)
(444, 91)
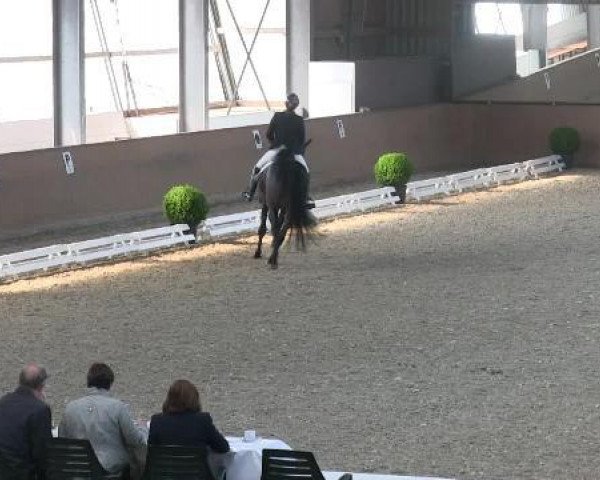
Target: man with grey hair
(25, 423)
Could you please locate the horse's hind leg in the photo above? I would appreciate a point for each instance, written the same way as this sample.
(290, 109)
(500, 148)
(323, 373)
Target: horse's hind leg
(277, 242)
(274, 219)
(262, 230)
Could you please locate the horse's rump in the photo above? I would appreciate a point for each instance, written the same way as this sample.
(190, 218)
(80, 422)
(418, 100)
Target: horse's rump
(287, 189)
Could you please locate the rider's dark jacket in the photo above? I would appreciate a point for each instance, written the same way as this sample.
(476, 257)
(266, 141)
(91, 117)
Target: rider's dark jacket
(287, 128)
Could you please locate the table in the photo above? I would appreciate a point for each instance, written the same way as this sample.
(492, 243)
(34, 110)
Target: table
(244, 461)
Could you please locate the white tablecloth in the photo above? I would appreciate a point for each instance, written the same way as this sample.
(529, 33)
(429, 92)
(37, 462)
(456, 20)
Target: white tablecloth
(238, 444)
(244, 462)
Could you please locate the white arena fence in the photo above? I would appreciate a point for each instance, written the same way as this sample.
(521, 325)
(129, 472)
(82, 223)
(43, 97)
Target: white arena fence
(14, 265)
(484, 177)
(81, 253)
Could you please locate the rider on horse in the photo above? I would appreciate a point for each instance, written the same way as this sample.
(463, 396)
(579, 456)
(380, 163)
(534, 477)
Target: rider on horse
(286, 130)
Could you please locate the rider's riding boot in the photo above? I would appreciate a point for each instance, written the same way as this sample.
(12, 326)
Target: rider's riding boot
(249, 195)
(310, 203)
(253, 185)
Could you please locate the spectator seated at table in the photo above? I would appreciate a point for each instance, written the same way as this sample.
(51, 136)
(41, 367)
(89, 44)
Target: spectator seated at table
(183, 423)
(105, 421)
(25, 425)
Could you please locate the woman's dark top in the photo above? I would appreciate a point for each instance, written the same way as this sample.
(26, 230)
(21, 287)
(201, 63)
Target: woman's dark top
(188, 429)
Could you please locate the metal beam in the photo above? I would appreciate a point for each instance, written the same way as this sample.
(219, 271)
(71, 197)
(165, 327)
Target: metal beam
(193, 65)
(298, 48)
(68, 70)
(593, 26)
(221, 52)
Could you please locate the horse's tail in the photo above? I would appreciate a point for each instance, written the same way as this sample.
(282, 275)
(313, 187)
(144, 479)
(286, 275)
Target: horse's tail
(301, 220)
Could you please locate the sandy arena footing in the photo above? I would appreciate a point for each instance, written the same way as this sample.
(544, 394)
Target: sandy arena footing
(457, 338)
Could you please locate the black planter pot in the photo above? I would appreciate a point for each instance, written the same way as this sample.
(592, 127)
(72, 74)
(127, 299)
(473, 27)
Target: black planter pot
(568, 159)
(194, 231)
(401, 191)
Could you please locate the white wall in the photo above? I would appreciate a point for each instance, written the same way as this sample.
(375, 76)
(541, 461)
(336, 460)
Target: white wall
(34, 134)
(528, 62)
(332, 88)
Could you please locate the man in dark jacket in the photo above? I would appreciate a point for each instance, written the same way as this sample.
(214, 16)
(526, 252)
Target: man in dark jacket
(26, 422)
(286, 130)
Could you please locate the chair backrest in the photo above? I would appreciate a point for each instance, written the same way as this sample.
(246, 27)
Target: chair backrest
(68, 459)
(177, 463)
(289, 465)
(12, 468)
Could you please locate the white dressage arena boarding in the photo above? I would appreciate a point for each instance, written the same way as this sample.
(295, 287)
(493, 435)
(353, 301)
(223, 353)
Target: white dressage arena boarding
(484, 177)
(373, 476)
(80, 253)
(28, 262)
(238, 223)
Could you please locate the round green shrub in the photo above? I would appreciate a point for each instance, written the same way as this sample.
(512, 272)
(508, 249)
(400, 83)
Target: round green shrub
(393, 169)
(185, 204)
(564, 141)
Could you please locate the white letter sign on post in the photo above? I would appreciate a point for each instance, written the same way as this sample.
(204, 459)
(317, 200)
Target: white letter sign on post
(341, 129)
(548, 82)
(257, 139)
(68, 160)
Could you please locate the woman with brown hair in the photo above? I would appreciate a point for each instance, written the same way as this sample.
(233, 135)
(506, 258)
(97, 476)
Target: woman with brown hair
(182, 421)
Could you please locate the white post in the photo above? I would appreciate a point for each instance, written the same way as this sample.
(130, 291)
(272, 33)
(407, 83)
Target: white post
(298, 48)
(193, 65)
(593, 26)
(68, 70)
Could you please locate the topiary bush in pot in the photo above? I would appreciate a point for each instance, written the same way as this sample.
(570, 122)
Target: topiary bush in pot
(565, 141)
(394, 169)
(185, 204)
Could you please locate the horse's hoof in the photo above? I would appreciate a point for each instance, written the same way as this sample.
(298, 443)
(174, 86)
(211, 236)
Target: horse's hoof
(257, 254)
(274, 266)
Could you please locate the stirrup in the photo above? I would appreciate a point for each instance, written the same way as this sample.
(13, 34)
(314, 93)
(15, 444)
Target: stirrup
(247, 196)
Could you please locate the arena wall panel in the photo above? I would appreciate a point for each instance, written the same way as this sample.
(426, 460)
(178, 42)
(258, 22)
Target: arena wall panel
(131, 176)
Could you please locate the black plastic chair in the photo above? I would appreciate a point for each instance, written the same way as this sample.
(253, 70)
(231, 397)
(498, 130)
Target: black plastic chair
(289, 465)
(68, 459)
(177, 463)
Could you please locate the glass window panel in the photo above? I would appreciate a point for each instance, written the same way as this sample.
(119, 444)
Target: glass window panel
(155, 80)
(25, 60)
(26, 91)
(25, 28)
(498, 18)
(269, 53)
(143, 71)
